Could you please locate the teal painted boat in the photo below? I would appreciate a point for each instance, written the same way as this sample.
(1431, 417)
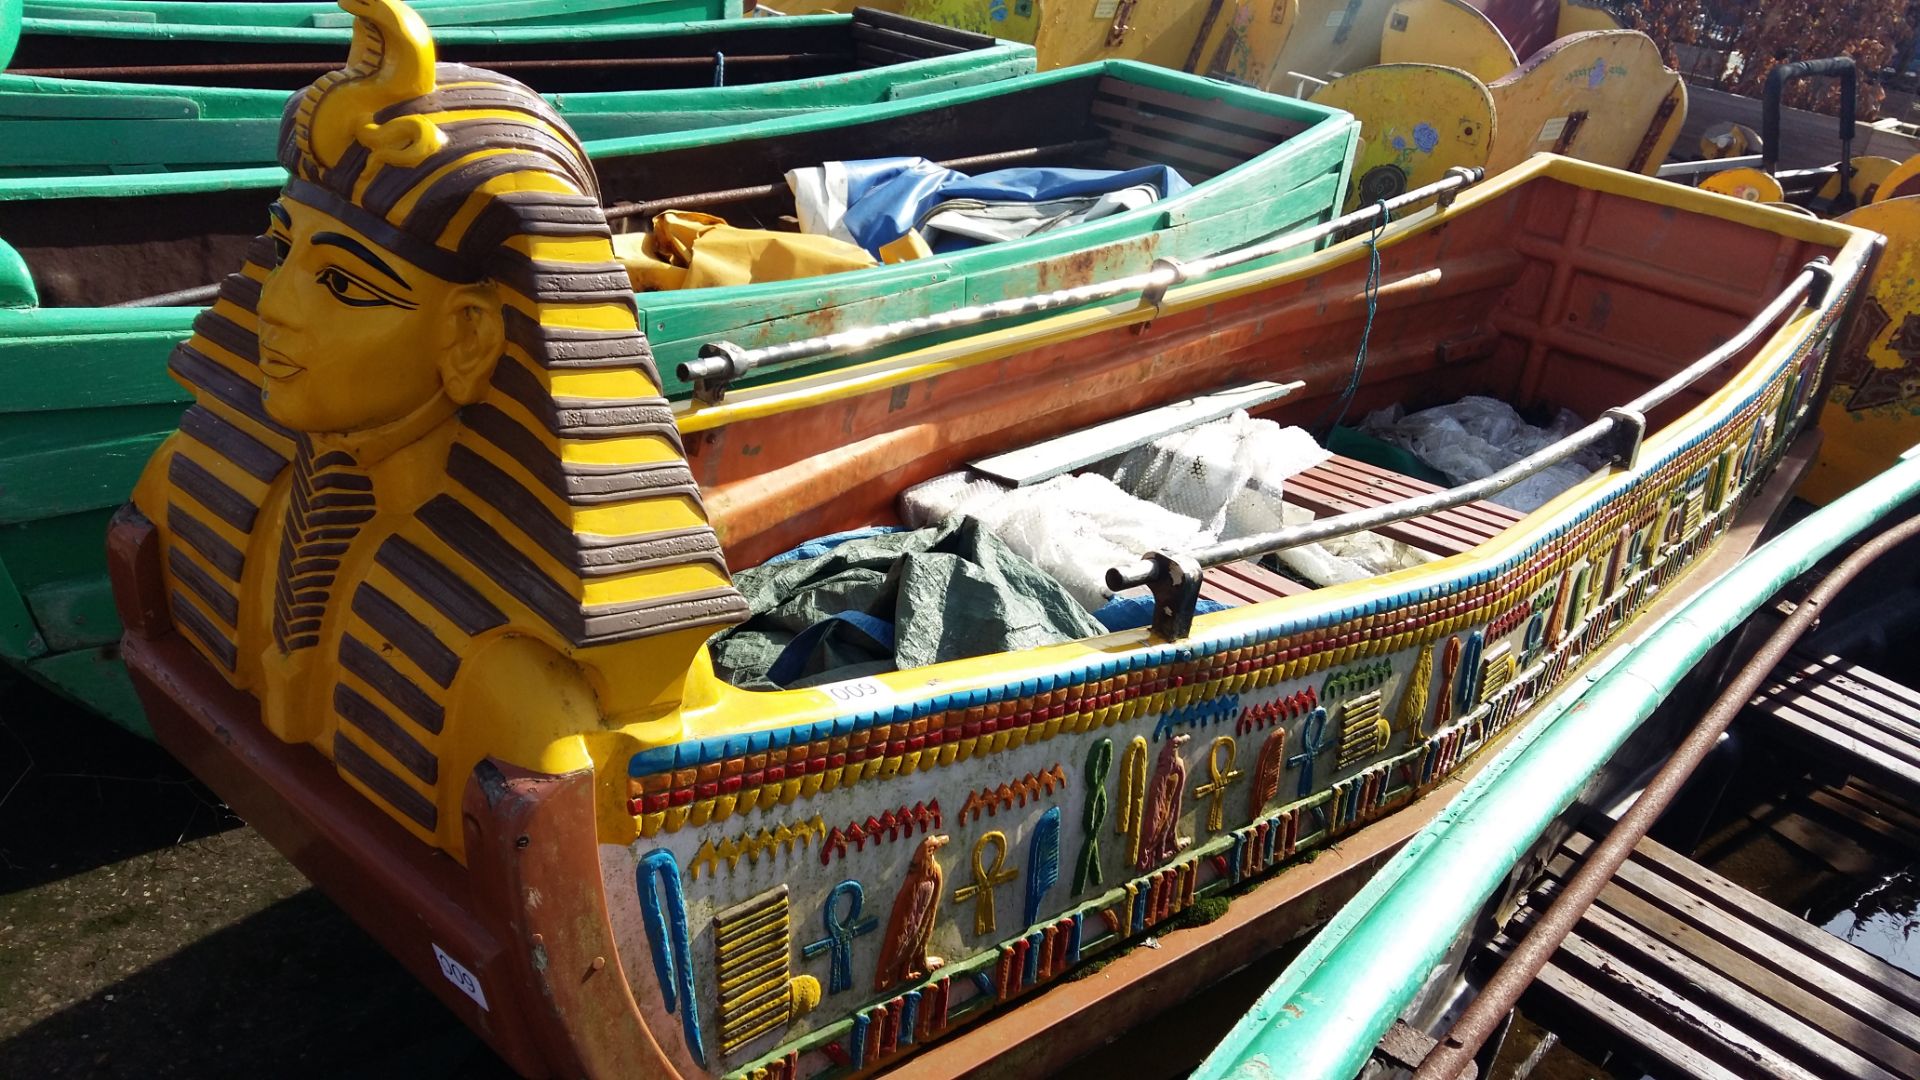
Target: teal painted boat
(90, 395)
(317, 13)
(1395, 951)
(609, 82)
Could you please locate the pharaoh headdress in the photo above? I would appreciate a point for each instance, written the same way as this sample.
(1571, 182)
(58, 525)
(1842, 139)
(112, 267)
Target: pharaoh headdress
(568, 490)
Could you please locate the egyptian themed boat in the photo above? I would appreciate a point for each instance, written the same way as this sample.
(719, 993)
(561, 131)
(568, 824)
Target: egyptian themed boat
(198, 103)
(1675, 969)
(450, 643)
(77, 251)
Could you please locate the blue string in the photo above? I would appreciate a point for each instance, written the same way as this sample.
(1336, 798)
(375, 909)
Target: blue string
(1373, 305)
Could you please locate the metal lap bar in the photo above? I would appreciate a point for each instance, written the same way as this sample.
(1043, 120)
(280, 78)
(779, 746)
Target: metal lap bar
(1174, 577)
(721, 363)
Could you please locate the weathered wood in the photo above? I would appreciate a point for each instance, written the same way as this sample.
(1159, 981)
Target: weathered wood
(1842, 710)
(1701, 976)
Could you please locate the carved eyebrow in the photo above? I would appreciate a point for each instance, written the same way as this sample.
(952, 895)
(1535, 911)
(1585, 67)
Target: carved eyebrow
(280, 214)
(348, 243)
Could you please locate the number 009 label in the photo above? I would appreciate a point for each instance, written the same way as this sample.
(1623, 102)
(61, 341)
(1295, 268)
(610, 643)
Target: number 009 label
(458, 975)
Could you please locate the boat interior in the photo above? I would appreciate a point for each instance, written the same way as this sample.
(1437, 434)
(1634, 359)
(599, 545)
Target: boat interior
(1547, 296)
(695, 57)
(103, 251)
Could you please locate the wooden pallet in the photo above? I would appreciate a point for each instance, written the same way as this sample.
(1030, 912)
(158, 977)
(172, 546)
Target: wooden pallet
(1698, 977)
(1840, 710)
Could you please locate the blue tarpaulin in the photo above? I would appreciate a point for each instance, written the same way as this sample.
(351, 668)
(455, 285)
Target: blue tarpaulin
(885, 197)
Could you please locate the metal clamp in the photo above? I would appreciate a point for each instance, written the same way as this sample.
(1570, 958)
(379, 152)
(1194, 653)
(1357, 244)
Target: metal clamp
(1174, 581)
(719, 364)
(1621, 444)
(1823, 279)
(1156, 292)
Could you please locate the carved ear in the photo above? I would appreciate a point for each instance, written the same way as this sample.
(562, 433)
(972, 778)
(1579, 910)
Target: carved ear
(475, 335)
(405, 141)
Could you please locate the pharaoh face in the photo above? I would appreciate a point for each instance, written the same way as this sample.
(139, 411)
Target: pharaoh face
(353, 337)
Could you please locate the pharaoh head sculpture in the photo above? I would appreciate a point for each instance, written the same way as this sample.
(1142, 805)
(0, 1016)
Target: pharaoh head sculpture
(428, 392)
(410, 184)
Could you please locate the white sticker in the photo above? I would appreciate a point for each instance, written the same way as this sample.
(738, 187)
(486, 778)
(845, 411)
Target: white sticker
(1104, 9)
(458, 975)
(1338, 17)
(1550, 131)
(859, 692)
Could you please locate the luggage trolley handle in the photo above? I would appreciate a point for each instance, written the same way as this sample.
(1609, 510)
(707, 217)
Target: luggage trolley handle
(1840, 67)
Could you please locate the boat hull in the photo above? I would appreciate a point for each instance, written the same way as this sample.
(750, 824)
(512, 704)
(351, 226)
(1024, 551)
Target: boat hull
(1092, 791)
(85, 126)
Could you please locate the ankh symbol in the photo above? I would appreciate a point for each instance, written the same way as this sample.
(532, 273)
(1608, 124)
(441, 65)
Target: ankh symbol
(840, 934)
(984, 880)
(1220, 773)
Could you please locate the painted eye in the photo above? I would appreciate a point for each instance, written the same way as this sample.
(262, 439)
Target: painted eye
(350, 290)
(281, 248)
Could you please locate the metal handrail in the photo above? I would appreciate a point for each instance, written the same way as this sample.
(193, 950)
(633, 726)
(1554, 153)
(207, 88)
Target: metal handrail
(720, 363)
(1174, 577)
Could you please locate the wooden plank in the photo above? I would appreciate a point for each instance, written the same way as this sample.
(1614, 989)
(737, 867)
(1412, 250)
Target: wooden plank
(1883, 806)
(1175, 128)
(1490, 511)
(930, 31)
(1326, 495)
(1276, 584)
(1707, 957)
(1821, 693)
(1811, 708)
(1632, 1003)
(1466, 518)
(1864, 819)
(1077, 449)
(1211, 111)
(1901, 989)
(1861, 750)
(904, 43)
(1192, 162)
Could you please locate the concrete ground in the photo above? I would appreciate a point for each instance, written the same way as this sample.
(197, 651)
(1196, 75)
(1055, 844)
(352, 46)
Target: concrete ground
(146, 932)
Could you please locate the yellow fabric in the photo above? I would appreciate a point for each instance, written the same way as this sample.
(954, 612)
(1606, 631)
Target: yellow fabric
(688, 250)
(906, 249)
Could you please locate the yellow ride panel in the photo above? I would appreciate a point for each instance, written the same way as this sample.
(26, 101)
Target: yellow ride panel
(1416, 122)
(1603, 97)
(1873, 411)
(1264, 43)
(1907, 175)
(1450, 33)
(1869, 174)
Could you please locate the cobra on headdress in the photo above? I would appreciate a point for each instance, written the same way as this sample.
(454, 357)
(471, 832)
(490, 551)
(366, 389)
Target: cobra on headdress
(413, 143)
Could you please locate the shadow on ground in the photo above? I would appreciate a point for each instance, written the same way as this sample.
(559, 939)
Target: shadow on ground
(145, 931)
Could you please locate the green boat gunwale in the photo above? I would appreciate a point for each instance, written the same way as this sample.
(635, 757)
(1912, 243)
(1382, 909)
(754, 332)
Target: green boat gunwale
(317, 13)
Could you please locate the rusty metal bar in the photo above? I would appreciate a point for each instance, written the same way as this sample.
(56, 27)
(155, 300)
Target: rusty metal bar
(720, 363)
(618, 211)
(194, 297)
(1605, 858)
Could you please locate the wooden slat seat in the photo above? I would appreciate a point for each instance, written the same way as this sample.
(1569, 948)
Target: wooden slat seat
(1200, 138)
(1341, 485)
(1240, 583)
(1702, 978)
(1839, 709)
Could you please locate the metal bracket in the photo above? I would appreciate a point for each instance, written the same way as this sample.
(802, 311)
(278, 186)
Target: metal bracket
(1823, 279)
(1175, 585)
(1622, 444)
(1154, 295)
(1468, 175)
(1117, 30)
(719, 364)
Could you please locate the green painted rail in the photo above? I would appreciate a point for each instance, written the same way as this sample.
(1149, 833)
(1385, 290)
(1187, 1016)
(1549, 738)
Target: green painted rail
(322, 14)
(1322, 1018)
(89, 397)
(78, 126)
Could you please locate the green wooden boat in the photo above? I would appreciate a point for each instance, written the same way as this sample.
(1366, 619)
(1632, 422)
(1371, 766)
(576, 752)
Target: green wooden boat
(90, 395)
(317, 13)
(608, 81)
